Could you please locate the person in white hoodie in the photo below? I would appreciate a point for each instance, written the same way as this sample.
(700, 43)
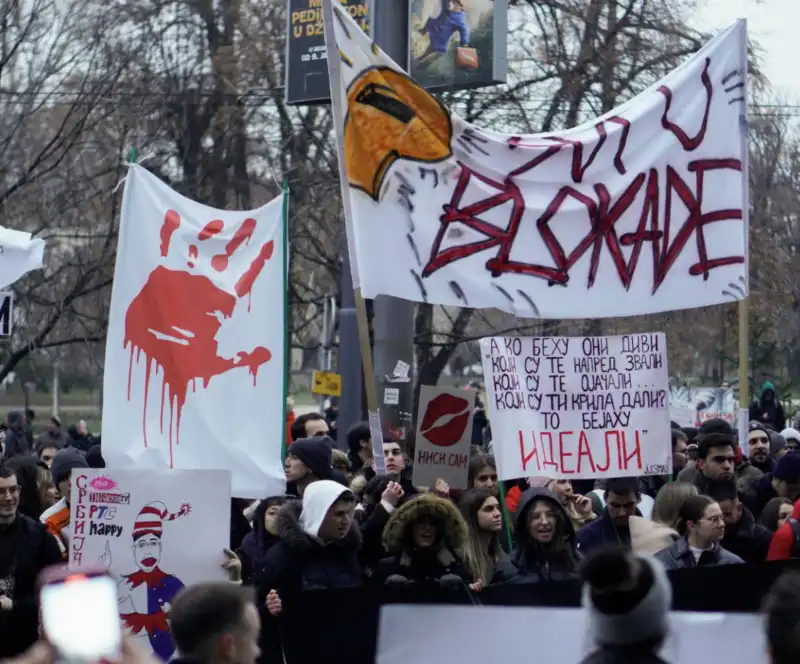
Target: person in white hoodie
(318, 547)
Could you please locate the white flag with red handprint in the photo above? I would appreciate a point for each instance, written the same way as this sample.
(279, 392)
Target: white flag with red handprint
(194, 373)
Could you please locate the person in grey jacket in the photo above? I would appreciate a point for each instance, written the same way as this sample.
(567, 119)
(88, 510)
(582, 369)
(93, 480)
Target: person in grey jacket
(702, 527)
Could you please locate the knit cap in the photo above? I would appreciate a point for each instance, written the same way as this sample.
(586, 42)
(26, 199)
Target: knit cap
(65, 461)
(626, 595)
(316, 453)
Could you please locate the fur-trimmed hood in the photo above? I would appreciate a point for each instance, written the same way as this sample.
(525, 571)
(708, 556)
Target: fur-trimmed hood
(292, 534)
(448, 520)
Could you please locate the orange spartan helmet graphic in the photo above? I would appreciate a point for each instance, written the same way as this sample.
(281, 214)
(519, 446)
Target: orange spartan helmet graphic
(391, 117)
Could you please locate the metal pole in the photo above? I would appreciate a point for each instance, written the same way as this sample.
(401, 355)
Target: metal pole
(349, 357)
(393, 320)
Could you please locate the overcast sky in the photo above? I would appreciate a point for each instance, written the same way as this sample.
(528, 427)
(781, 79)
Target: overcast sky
(773, 24)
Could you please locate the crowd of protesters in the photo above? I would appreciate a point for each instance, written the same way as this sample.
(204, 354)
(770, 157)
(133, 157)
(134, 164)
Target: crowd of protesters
(341, 525)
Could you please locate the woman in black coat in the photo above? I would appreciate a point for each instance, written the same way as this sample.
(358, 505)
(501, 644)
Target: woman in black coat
(424, 537)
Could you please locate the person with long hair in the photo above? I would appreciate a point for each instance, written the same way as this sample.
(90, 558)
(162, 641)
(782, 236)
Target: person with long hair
(482, 472)
(545, 546)
(28, 477)
(775, 513)
(482, 550)
(661, 530)
(627, 598)
(701, 527)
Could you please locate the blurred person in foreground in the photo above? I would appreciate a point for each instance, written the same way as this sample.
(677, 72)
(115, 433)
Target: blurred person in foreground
(627, 598)
(215, 623)
(782, 613)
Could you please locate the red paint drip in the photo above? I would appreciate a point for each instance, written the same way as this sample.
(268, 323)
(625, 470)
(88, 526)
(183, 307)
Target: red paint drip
(172, 221)
(246, 281)
(242, 234)
(193, 252)
(172, 321)
(211, 229)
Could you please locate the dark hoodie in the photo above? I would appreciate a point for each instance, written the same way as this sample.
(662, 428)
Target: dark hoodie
(530, 562)
(258, 542)
(768, 409)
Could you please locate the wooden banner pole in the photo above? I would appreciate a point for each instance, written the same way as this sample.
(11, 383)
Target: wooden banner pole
(366, 352)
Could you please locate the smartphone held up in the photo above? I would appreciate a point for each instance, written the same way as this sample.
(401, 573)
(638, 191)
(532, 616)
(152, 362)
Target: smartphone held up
(80, 614)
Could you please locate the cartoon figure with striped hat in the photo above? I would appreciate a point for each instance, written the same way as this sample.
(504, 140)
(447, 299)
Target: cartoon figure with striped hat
(146, 595)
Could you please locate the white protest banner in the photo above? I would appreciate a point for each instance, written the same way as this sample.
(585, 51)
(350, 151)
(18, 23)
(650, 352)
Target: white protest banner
(444, 434)
(19, 254)
(195, 363)
(637, 212)
(683, 416)
(156, 531)
(578, 407)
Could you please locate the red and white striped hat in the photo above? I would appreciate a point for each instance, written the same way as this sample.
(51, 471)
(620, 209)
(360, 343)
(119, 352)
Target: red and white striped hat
(152, 516)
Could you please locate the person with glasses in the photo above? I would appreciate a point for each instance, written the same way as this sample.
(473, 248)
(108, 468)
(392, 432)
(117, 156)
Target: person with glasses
(26, 548)
(701, 527)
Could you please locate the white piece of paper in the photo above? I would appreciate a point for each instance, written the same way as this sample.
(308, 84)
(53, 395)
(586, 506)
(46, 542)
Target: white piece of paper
(421, 633)
(196, 339)
(578, 407)
(639, 211)
(391, 396)
(401, 369)
(19, 254)
(444, 434)
(376, 434)
(143, 525)
(744, 425)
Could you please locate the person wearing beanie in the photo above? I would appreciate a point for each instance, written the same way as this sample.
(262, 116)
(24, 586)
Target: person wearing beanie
(782, 482)
(308, 460)
(627, 599)
(701, 527)
(768, 409)
(792, 437)
(317, 548)
(53, 436)
(777, 446)
(94, 457)
(56, 518)
(545, 546)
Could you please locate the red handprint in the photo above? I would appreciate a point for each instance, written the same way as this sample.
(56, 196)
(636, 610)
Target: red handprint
(173, 321)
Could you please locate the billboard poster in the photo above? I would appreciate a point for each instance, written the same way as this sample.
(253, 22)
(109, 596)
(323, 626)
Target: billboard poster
(457, 43)
(306, 57)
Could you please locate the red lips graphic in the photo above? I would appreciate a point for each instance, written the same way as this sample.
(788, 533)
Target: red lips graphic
(450, 433)
(149, 562)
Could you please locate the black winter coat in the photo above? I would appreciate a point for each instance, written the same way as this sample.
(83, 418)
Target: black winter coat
(300, 562)
(418, 567)
(749, 540)
(33, 550)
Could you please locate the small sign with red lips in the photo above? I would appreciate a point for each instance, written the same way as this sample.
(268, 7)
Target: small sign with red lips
(444, 432)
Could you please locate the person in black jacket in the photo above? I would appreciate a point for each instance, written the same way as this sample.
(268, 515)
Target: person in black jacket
(262, 538)
(622, 495)
(26, 548)
(743, 536)
(545, 547)
(318, 547)
(424, 538)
